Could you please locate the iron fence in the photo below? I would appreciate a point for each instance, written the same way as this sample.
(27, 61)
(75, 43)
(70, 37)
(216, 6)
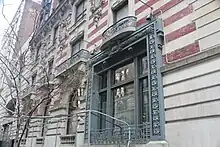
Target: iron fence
(41, 127)
(140, 134)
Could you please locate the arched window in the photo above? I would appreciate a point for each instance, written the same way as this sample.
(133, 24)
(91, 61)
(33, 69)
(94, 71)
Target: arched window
(45, 120)
(73, 104)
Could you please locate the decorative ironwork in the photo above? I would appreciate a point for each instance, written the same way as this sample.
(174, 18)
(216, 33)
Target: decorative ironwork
(139, 134)
(81, 55)
(68, 139)
(126, 22)
(155, 83)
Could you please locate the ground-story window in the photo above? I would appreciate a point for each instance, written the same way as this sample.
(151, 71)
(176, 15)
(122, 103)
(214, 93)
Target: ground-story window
(102, 108)
(72, 119)
(126, 87)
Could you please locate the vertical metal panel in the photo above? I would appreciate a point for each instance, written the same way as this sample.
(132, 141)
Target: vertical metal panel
(136, 93)
(155, 85)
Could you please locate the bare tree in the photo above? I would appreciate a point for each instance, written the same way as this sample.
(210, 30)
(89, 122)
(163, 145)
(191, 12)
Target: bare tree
(15, 74)
(23, 114)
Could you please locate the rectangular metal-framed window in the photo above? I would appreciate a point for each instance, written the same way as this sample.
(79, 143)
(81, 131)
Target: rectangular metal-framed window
(80, 11)
(120, 12)
(76, 46)
(123, 90)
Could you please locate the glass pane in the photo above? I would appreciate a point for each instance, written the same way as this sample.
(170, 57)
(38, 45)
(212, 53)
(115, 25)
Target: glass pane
(103, 81)
(79, 9)
(76, 47)
(121, 13)
(124, 103)
(144, 100)
(124, 73)
(102, 108)
(143, 65)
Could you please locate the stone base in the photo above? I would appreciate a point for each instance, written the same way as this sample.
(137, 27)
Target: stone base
(157, 144)
(149, 144)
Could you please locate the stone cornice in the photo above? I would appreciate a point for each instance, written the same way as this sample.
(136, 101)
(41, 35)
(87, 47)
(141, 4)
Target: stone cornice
(193, 60)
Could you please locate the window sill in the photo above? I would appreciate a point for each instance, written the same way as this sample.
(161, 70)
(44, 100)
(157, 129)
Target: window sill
(76, 25)
(117, 3)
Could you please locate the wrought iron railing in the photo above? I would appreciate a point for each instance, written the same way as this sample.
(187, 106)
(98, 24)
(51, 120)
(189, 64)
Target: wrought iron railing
(81, 55)
(67, 139)
(126, 22)
(140, 134)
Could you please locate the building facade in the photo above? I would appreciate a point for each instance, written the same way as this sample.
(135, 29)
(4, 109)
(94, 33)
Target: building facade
(14, 45)
(125, 72)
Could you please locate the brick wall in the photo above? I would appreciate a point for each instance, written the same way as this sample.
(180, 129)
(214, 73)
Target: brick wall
(180, 29)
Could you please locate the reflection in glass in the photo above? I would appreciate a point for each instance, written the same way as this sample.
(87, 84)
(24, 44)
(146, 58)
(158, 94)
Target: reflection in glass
(144, 100)
(124, 73)
(143, 65)
(102, 108)
(103, 81)
(124, 103)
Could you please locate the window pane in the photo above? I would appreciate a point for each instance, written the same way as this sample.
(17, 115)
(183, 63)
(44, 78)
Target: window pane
(50, 67)
(102, 108)
(121, 13)
(103, 81)
(143, 65)
(124, 73)
(124, 103)
(144, 100)
(76, 47)
(79, 10)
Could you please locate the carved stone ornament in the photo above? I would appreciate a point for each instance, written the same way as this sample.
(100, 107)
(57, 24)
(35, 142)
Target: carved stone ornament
(96, 9)
(63, 32)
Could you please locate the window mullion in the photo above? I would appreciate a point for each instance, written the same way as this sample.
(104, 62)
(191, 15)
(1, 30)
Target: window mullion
(136, 93)
(109, 105)
(109, 98)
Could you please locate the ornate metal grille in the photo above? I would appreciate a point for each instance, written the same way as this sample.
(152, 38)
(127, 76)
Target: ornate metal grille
(139, 134)
(129, 21)
(77, 57)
